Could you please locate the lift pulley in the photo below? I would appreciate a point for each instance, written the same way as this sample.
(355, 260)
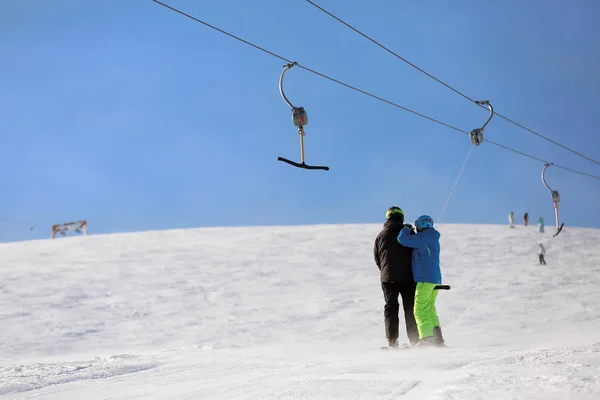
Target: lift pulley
(476, 134)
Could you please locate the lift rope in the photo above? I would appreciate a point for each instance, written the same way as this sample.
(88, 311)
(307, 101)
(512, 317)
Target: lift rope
(455, 183)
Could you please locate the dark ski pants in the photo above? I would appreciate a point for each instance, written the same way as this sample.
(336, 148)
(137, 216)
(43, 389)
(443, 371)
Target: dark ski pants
(542, 259)
(391, 291)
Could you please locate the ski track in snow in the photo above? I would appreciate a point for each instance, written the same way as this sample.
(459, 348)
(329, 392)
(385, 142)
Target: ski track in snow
(20, 378)
(294, 312)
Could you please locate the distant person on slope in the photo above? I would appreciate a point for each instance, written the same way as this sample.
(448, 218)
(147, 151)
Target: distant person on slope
(427, 274)
(394, 262)
(511, 219)
(542, 254)
(526, 218)
(541, 222)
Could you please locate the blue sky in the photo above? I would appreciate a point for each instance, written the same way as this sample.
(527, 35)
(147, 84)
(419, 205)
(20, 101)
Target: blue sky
(136, 118)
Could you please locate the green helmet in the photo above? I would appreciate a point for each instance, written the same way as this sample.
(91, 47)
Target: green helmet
(394, 213)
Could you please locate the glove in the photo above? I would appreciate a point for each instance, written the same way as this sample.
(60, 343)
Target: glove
(410, 227)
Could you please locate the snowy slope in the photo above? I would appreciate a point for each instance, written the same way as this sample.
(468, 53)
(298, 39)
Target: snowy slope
(294, 313)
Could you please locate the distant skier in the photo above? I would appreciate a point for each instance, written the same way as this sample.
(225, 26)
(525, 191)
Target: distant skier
(542, 254)
(427, 274)
(511, 219)
(541, 222)
(526, 218)
(394, 262)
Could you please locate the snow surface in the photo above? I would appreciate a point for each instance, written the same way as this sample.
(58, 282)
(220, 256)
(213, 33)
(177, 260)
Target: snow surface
(294, 313)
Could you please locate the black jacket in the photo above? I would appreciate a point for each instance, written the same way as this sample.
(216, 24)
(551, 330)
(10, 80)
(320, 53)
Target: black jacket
(392, 259)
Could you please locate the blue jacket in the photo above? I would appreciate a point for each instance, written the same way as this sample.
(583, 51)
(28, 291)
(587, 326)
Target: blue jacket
(426, 254)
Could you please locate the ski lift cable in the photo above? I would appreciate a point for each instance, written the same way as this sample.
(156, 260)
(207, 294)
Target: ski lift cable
(288, 61)
(447, 85)
(362, 91)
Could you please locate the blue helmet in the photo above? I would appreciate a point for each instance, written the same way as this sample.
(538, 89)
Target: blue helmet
(424, 221)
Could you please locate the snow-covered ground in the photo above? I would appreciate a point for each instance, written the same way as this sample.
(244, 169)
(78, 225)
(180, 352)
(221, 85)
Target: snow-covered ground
(294, 313)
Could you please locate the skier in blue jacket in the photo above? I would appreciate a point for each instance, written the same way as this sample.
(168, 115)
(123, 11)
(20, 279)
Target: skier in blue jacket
(427, 274)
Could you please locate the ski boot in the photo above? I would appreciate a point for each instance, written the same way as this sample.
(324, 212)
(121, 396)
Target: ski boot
(439, 339)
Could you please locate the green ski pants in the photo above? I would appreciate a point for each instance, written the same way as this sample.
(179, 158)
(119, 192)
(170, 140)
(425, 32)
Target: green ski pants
(424, 310)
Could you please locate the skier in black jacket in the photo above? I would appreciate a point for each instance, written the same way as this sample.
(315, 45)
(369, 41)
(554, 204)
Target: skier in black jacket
(394, 261)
